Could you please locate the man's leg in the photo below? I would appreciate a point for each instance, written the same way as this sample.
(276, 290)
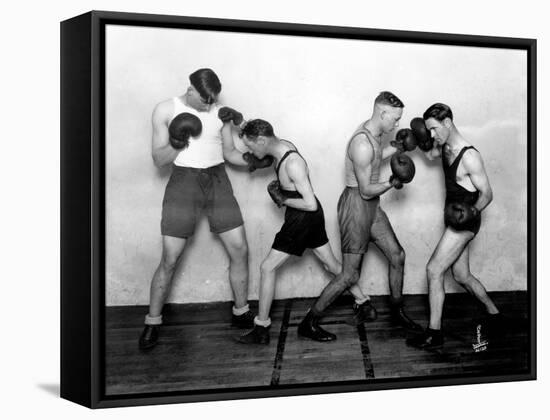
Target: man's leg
(236, 246)
(385, 239)
(449, 248)
(344, 280)
(172, 248)
(309, 327)
(363, 310)
(492, 325)
(260, 333)
(462, 274)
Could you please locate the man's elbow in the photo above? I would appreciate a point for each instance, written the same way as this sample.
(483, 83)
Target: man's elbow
(311, 205)
(365, 195)
(158, 161)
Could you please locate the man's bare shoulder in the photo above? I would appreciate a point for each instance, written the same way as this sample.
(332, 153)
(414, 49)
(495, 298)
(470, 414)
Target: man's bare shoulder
(360, 147)
(164, 109)
(471, 160)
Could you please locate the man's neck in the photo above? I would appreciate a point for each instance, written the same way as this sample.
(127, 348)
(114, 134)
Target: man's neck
(277, 148)
(373, 128)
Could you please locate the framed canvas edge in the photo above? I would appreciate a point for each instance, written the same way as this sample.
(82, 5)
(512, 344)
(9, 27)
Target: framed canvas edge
(98, 20)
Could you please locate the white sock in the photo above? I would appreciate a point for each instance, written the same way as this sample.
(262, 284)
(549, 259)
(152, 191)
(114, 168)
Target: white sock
(153, 320)
(240, 311)
(361, 301)
(265, 323)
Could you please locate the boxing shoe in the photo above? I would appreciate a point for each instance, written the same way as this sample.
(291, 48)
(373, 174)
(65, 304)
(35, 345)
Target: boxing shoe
(257, 335)
(495, 326)
(309, 328)
(399, 317)
(362, 313)
(149, 337)
(245, 320)
(428, 340)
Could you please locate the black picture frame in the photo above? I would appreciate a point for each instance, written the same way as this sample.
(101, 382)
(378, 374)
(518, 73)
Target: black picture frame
(83, 203)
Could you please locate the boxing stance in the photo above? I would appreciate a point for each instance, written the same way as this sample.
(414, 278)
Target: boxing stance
(468, 193)
(304, 225)
(362, 219)
(193, 134)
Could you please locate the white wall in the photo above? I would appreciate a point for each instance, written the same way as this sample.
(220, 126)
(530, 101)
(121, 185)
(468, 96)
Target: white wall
(315, 92)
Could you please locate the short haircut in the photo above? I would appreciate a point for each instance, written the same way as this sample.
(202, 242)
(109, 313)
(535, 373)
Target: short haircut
(255, 128)
(388, 98)
(439, 112)
(207, 84)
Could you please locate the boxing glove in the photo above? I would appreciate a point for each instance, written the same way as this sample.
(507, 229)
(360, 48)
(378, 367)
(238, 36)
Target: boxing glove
(257, 163)
(227, 114)
(458, 215)
(182, 127)
(274, 190)
(403, 170)
(405, 141)
(422, 135)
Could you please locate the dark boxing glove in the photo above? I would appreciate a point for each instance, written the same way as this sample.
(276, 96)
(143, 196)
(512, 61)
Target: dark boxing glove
(257, 163)
(422, 135)
(182, 127)
(274, 190)
(403, 170)
(405, 141)
(227, 114)
(458, 215)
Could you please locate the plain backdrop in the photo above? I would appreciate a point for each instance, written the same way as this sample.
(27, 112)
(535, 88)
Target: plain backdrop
(315, 92)
(30, 209)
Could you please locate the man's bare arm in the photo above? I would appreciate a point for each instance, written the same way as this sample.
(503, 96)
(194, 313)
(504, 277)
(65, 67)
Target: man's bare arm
(361, 155)
(162, 151)
(296, 170)
(230, 152)
(389, 151)
(473, 163)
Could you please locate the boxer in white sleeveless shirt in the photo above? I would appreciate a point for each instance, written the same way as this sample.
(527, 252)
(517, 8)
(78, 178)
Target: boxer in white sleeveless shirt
(198, 185)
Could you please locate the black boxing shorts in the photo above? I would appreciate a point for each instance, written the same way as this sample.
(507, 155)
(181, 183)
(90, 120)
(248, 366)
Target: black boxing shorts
(361, 221)
(191, 192)
(301, 229)
(472, 226)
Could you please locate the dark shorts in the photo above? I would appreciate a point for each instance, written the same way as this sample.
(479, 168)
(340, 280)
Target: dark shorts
(362, 221)
(301, 230)
(472, 226)
(191, 192)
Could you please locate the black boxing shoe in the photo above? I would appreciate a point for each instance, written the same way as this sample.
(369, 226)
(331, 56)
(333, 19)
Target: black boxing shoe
(362, 313)
(399, 317)
(257, 335)
(245, 320)
(149, 337)
(428, 340)
(309, 328)
(495, 326)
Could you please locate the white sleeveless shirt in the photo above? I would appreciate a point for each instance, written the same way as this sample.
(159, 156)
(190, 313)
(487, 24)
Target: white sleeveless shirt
(205, 150)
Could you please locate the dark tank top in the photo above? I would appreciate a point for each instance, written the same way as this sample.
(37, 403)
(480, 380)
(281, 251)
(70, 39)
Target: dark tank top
(457, 193)
(287, 193)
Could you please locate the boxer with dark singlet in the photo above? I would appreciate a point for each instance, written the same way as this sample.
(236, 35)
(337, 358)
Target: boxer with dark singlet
(468, 193)
(304, 223)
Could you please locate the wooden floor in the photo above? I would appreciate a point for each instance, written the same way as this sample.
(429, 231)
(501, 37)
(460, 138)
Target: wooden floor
(197, 350)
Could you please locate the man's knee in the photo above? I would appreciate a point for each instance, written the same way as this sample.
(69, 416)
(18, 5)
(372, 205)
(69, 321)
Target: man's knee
(434, 272)
(462, 276)
(349, 276)
(397, 259)
(169, 262)
(267, 267)
(238, 252)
